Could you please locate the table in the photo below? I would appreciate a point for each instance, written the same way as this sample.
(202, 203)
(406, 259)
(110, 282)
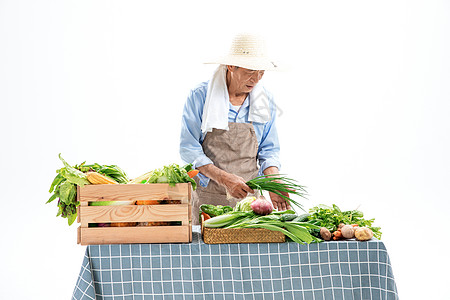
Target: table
(328, 270)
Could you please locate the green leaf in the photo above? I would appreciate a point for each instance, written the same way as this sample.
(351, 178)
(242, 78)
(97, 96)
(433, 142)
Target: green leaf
(299, 231)
(276, 228)
(187, 167)
(65, 192)
(71, 218)
(53, 197)
(58, 179)
(287, 211)
(72, 195)
(73, 175)
(306, 224)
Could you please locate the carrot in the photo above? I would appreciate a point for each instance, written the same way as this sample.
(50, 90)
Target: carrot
(123, 224)
(193, 173)
(337, 235)
(205, 216)
(147, 202)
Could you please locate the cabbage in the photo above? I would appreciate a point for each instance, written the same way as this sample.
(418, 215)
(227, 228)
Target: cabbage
(171, 174)
(245, 204)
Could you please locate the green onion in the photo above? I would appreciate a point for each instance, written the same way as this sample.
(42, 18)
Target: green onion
(278, 184)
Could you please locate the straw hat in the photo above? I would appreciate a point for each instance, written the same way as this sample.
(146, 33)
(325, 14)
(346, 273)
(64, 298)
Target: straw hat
(247, 51)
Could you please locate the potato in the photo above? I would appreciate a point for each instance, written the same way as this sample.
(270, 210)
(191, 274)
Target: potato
(363, 233)
(325, 233)
(348, 231)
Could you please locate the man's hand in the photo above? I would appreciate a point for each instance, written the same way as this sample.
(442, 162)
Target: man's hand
(278, 202)
(235, 185)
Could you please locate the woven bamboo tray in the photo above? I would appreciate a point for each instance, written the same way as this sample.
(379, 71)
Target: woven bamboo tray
(241, 235)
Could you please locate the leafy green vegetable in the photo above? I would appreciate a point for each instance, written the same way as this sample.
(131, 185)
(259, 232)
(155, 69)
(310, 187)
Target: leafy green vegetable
(112, 171)
(225, 219)
(213, 210)
(188, 167)
(64, 185)
(171, 174)
(244, 204)
(72, 175)
(67, 192)
(331, 216)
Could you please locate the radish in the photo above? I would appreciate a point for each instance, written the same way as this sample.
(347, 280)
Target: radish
(261, 206)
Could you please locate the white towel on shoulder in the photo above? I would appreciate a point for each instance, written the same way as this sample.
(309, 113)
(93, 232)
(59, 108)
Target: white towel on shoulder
(217, 103)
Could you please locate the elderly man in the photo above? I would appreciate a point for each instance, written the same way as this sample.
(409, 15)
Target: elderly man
(228, 128)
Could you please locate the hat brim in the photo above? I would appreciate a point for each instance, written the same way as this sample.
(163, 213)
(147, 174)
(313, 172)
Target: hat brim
(252, 63)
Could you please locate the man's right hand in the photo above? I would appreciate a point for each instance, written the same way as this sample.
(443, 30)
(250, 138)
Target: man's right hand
(235, 185)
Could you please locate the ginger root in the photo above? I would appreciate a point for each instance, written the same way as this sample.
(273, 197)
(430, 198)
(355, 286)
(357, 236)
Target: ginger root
(363, 233)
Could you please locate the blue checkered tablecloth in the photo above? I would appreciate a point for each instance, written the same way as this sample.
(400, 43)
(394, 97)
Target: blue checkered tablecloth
(328, 270)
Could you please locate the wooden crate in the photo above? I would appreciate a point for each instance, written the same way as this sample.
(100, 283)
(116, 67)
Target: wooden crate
(134, 213)
(241, 235)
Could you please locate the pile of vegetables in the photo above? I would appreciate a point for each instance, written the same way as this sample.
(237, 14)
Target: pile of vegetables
(64, 185)
(252, 212)
(170, 174)
(321, 223)
(337, 224)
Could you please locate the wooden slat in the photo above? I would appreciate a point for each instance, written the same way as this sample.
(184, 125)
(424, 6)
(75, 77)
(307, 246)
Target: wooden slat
(84, 203)
(79, 235)
(189, 214)
(125, 235)
(134, 213)
(120, 192)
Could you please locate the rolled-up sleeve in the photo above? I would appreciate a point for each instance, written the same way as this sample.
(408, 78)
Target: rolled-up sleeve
(269, 147)
(191, 150)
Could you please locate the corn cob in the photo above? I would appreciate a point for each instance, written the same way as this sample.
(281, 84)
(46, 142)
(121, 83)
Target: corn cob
(97, 178)
(139, 179)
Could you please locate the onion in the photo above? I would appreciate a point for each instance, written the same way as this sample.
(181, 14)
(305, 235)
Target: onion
(348, 231)
(261, 206)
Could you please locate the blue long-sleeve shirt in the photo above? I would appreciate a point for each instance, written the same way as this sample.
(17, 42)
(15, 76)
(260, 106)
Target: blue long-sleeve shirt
(191, 140)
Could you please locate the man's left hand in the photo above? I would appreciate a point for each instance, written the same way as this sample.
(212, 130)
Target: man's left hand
(279, 202)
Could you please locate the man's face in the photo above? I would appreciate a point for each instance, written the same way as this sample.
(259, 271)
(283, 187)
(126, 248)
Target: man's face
(245, 79)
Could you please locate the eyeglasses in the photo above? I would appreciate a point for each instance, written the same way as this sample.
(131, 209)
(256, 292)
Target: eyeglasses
(252, 72)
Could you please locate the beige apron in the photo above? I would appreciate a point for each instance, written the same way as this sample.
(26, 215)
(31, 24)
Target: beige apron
(234, 151)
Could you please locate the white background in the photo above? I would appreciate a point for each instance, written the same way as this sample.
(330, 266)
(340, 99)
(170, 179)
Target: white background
(364, 115)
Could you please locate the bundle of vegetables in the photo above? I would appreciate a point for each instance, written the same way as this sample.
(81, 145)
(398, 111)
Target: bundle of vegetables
(67, 178)
(331, 220)
(110, 171)
(64, 188)
(243, 216)
(280, 185)
(170, 174)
